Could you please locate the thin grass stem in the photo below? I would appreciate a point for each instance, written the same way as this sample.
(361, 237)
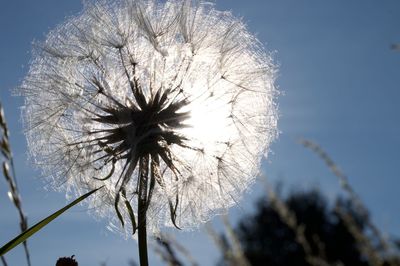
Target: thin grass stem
(3, 260)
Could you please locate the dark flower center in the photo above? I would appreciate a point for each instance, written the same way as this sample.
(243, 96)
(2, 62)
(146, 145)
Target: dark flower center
(139, 132)
(146, 127)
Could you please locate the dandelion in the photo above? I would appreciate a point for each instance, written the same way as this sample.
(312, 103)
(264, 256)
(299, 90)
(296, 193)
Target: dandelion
(169, 105)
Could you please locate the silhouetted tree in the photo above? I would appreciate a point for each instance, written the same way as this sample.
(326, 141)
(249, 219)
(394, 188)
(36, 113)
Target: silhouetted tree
(323, 234)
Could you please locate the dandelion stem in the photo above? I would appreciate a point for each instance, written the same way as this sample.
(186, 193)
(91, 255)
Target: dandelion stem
(142, 209)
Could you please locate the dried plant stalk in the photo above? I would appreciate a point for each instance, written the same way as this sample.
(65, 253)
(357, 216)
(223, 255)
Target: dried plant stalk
(344, 182)
(167, 248)
(364, 243)
(220, 242)
(228, 245)
(10, 176)
(236, 246)
(167, 253)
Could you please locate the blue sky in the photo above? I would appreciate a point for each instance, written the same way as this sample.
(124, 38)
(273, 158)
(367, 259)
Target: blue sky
(341, 88)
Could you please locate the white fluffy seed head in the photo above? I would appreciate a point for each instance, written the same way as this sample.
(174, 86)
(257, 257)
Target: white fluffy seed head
(202, 61)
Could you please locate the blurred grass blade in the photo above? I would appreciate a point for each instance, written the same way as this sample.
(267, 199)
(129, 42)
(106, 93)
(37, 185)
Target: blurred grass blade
(34, 229)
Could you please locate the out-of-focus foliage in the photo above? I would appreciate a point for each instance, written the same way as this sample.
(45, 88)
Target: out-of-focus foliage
(333, 235)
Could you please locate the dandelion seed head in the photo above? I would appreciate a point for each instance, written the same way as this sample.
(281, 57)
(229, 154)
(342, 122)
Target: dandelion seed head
(179, 83)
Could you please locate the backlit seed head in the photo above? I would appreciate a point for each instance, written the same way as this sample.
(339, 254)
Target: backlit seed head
(176, 89)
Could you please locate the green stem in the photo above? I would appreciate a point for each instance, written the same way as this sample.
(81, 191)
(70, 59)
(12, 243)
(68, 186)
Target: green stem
(142, 208)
